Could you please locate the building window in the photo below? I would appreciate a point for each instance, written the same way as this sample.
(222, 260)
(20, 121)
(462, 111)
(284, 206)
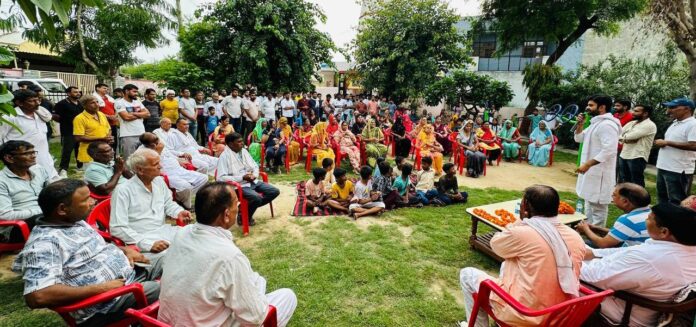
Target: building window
(483, 49)
(533, 49)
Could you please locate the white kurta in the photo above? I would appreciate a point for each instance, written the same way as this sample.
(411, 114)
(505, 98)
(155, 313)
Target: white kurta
(33, 130)
(179, 177)
(138, 215)
(600, 141)
(185, 143)
(233, 166)
(163, 136)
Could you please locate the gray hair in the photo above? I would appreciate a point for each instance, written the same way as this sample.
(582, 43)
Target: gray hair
(139, 158)
(87, 98)
(164, 119)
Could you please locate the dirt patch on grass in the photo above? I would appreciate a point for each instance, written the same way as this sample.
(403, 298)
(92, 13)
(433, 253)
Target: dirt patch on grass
(6, 265)
(518, 176)
(440, 287)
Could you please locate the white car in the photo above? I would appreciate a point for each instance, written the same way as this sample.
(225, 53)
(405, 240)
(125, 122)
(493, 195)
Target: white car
(53, 88)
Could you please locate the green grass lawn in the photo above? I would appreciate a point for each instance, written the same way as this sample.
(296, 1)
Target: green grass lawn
(401, 271)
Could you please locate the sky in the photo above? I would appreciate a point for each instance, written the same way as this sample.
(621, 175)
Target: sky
(341, 23)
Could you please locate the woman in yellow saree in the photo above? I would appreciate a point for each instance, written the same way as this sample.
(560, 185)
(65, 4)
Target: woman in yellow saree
(286, 135)
(320, 143)
(430, 147)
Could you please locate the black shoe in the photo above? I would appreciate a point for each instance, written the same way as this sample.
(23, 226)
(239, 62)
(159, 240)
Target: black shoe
(251, 221)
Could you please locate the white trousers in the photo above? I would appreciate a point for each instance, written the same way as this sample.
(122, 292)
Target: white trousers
(284, 300)
(204, 163)
(469, 280)
(596, 213)
(186, 183)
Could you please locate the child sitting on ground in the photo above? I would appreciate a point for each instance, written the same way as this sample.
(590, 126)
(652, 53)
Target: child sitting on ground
(328, 165)
(403, 185)
(315, 190)
(365, 201)
(425, 185)
(341, 191)
(398, 162)
(448, 188)
(383, 184)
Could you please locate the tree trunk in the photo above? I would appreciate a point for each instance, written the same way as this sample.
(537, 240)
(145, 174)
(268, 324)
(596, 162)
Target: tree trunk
(179, 16)
(692, 75)
(81, 40)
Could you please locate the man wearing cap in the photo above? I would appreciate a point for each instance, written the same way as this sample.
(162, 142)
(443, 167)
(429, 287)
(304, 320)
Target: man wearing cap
(656, 269)
(675, 161)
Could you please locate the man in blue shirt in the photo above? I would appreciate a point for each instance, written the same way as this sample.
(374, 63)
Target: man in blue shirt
(629, 228)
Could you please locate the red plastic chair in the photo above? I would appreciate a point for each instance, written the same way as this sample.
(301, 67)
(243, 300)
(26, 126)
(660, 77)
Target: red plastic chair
(363, 151)
(244, 204)
(10, 247)
(136, 289)
(455, 147)
(338, 155)
(98, 198)
(567, 314)
(147, 316)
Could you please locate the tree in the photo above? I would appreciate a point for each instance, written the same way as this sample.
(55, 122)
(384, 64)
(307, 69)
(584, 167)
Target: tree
(560, 23)
(469, 88)
(271, 44)
(174, 74)
(678, 17)
(102, 40)
(402, 46)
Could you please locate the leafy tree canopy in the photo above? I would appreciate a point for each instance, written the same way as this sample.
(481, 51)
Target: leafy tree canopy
(403, 45)
(271, 44)
(469, 88)
(111, 34)
(174, 74)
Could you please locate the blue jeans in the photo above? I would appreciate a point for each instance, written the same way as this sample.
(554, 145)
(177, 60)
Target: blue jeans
(259, 195)
(447, 200)
(632, 171)
(672, 187)
(425, 197)
(193, 128)
(237, 124)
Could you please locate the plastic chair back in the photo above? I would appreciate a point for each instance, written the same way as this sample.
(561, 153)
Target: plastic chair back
(570, 313)
(99, 220)
(23, 227)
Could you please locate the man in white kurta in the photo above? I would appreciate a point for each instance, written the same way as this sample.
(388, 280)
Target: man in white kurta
(185, 182)
(32, 128)
(597, 171)
(165, 131)
(207, 280)
(140, 205)
(181, 141)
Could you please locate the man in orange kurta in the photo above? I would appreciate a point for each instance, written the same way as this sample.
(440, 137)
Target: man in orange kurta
(530, 273)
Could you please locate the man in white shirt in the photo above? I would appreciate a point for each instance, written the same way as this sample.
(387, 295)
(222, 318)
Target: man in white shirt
(187, 109)
(215, 103)
(181, 142)
(675, 161)
(268, 105)
(637, 139)
(339, 104)
(287, 107)
(32, 128)
(251, 114)
(656, 269)
(165, 130)
(185, 182)
(232, 106)
(216, 286)
(140, 205)
(597, 171)
(131, 114)
(237, 165)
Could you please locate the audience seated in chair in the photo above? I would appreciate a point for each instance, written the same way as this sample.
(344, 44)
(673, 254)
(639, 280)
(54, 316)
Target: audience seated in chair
(448, 187)
(365, 200)
(237, 165)
(21, 180)
(140, 205)
(66, 261)
(656, 269)
(540, 143)
(629, 228)
(182, 142)
(185, 182)
(101, 175)
(509, 136)
(208, 281)
(542, 260)
(165, 131)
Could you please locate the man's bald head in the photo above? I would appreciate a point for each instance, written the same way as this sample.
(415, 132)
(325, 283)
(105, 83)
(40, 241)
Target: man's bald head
(541, 200)
(148, 140)
(637, 195)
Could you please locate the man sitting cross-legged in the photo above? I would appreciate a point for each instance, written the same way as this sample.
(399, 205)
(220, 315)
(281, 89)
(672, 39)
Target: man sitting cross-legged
(185, 182)
(542, 261)
(101, 175)
(20, 183)
(629, 228)
(656, 269)
(237, 165)
(208, 281)
(66, 261)
(181, 142)
(140, 205)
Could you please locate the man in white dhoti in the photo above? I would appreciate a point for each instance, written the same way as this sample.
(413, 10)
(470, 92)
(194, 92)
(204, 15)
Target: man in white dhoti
(185, 182)
(597, 171)
(140, 205)
(216, 286)
(181, 141)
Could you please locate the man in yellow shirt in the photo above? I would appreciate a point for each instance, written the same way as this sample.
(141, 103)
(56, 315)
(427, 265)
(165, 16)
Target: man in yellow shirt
(89, 126)
(170, 106)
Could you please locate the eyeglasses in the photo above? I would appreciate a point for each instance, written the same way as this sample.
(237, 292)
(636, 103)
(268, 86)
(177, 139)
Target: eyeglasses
(27, 153)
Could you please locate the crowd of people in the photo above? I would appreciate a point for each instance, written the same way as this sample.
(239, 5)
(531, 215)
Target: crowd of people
(154, 159)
